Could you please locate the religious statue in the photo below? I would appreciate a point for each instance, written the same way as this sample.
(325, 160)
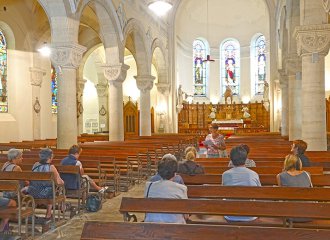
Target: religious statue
(213, 113)
(266, 92)
(228, 94)
(246, 113)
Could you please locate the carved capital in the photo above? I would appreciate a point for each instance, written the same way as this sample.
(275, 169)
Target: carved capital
(67, 55)
(36, 76)
(164, 88)
(102, 90)
(326, 5)
(81, 85)
(144, 82)
(115, 74)
(313, 39)
(283, 78)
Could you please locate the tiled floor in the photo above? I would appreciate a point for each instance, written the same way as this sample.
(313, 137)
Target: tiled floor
(109, 212)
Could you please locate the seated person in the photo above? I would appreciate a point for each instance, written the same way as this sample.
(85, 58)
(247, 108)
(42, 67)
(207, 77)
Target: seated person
(248, 162)
(4, 203)
(189, 166)
(166, 188)
(298, 148)
(177, 178)
(43, 189)
(293, 176)
(15, 157)
(72, 160)
(191, 149)
(239, 175)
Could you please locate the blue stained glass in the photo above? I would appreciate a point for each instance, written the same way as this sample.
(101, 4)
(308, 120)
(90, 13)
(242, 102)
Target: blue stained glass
(230, 66)
(3, 74)
(199, 67)
(54, 89)
(260, 50)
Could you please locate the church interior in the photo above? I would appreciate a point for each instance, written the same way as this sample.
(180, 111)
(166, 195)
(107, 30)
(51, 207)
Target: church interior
(129, 81)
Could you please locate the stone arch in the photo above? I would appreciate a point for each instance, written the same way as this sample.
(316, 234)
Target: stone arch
(135, 41)
(9, 34)
(110, 31)
(159, 60)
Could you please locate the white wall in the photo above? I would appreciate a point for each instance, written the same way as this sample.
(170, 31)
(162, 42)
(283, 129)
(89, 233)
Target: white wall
(239, 19)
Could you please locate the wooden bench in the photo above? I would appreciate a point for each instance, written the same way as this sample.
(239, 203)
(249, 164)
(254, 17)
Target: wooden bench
(265, 179)
(58, 196)
(262, 170)
(25, 206)
(279, 211)
(260, 193)
(160, 231)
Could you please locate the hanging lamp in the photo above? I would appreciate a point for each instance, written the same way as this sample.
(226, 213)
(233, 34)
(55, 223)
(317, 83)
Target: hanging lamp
(208, 56)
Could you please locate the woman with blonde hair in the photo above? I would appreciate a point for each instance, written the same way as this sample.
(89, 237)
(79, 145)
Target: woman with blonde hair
(293, 176)
(189, 166)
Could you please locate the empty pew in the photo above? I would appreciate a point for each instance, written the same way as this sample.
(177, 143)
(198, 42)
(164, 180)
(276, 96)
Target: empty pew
(160, 231)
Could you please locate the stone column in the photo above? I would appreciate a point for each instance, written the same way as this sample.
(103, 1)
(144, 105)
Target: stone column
(293, 67)
(145, 84)
(36, 81)
(67, 58)
(102, 92)
(285, 102)
(313, 46)
(163, 98)
(80, 107)
(116, 75)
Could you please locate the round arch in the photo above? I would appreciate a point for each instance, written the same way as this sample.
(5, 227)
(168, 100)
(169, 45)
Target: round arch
(158, 60)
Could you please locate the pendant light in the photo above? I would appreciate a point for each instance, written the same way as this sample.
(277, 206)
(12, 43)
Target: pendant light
(208, 56)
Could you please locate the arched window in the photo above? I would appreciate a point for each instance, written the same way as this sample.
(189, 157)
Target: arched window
(199, 67)
(230, 65)
(259, 64)
(54, 89)
(3, 74)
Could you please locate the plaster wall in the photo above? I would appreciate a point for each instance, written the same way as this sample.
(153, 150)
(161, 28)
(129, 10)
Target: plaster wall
(240, 19)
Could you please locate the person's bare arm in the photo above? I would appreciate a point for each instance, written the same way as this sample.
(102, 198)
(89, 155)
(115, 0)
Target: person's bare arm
(58, 179)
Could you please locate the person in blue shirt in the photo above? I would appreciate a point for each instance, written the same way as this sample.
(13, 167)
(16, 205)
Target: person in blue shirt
(239, 175)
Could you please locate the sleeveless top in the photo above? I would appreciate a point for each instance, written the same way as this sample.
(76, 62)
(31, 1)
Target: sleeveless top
(301, 180)
(41, 189)
(71, 181)
(9, 167)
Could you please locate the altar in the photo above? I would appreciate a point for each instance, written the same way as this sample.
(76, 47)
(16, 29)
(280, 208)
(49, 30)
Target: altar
(229, 126)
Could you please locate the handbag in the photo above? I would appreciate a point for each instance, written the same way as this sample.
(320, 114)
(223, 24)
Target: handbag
(93, 203)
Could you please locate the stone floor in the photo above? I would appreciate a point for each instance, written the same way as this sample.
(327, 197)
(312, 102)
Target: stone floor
(109, 212)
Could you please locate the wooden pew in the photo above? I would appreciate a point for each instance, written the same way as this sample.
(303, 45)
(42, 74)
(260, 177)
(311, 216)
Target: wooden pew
(260, 193)
(268, 209)
(160, 231)
(58, 190)
(25, 206)
(266, 179)
(262, 170)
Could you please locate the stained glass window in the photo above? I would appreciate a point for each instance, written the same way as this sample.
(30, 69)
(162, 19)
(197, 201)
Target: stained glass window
(3, 74)
(260, 60)
(54, 89)
(199, 67)
(230, 66)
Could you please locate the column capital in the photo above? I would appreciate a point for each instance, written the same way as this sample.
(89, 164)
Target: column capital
(326, 5)
(163, 88)
(313, 39)
(292, 64)
(67, 55)
(115, 74)
(36, 76)
(144, 82)
(102, 90)
(283, 78)
(81, 85)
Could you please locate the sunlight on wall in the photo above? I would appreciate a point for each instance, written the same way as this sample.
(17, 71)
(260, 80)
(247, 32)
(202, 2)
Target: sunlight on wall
(91, 106)
(129, 86)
